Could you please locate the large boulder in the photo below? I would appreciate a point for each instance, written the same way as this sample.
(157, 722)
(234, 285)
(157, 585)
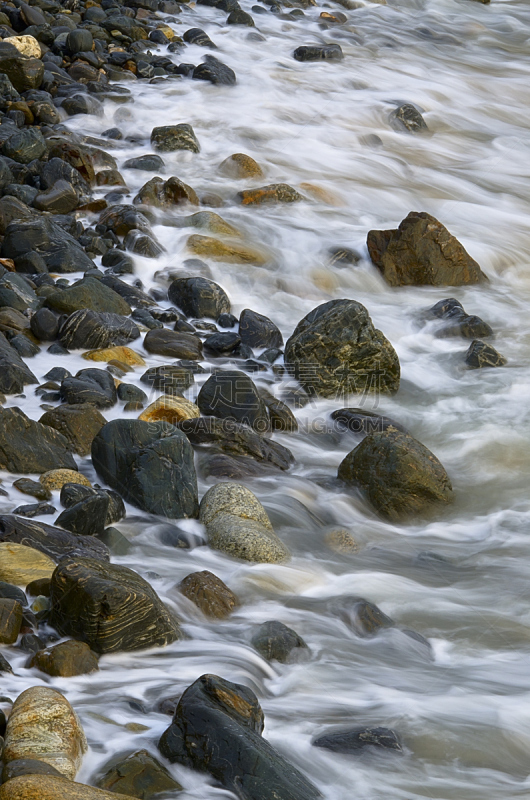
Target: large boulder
(27, 446)
(58, 249)
(335, 351)
(111, 608)
(43, 725)
(401, 478)
(50, 787)
(199, 297)
(53, 542)
(237, 525)
(217, 729)
(150, 464)
(77, 423)
(232, 395)
(174, 344)
(422, 252)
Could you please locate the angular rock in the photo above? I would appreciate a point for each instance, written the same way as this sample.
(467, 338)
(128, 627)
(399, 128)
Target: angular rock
(87, 517)
(27, 766)
(14, 373)
(58, 249)
(168, 138)
(313, 52)
(422, 252)
(166, 194)
(87, 293)
(173, 344)
(49, 787)
(232, 395)
(401, 478)
(217, 729)
(28, 447)
(209, 593)
(43, 725)
(238, 525)
(92, 330)
(15, 292)
(482, 355)
(94, 386)
(276, 642)
(73, 493)
(150, 464)
(61, 198)
(408, 118)
(111, 608)
(256, 330)
(24, 73)
(53, 542)
(357, 739)
(214, 71)
(25, 145)
(199, 297)
(21, 565)
(281, 417)
(138, 775)
(77, 423)
(10, 620)
(65, 660)
(335, 350)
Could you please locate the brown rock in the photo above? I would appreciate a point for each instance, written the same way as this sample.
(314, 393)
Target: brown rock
(274, 193)
(78, 423)
(48, 787)
(422, 252)
(56, 478)
(22, 565)
(10, 620)
(240, 166)
(139, 775)
(163, 194)
(209, 593)
(123, 354)
(66, 659)
(227, 251)
(171, 409)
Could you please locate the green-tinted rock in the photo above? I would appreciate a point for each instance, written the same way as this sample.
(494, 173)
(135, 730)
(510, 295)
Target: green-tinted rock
(27, 446)
(66, 660)
(174, 137)
(138, 775)
(10, 620)
(79, 424)
(88, 293)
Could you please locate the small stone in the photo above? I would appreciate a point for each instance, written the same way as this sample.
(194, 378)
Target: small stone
(26, 45)
(209, 593)
(174, 344)
(124, 354)
(256, 330)
(168, 138)
(150, 163)
(341, 541)
(138, 775)
(274, 193)
(171, 409)
(25, 146)
(230, 253)
(55, 479)
(357, 739)
(199, 297)
(482, 355)
(66, 660)
(10, 620)
(240, 17)
(408, 118)
(33, 488)
(276, 642)
(215, 72)
(78, 423)
(50, 787)
(327, 52)
(240, 166)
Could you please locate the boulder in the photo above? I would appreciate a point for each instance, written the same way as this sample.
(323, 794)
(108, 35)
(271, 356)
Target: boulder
(217, 729)
(401, 478)
(21, 565)
(356, 739)
(199, 297)
(26, 45)
(65, 660)
(209, 593)
(335, 351)
(150, 464)
(422, 252)
(43, 725)
(276, 642)
(168, 138)
(237, 525)
(77, 423)
(174, 344)
(93, 330)
(138, 775)
(256, 330)
(53, 542)
(232, 395)
(73, 493)
(48, 787)
(10, 620)
(15, 292)
(87, 517)
(172, 379)
(25, 145)
(87, 293)
(111, 608)
(58, 249)
(482, 355)
(166, 194)
(215, 72)
(27, 446)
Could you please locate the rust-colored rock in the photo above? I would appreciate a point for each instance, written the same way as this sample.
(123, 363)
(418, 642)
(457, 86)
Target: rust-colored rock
(274, 193)
(209, 593)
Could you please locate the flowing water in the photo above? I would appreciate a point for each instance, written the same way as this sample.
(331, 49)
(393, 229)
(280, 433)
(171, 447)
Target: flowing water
(463, 709)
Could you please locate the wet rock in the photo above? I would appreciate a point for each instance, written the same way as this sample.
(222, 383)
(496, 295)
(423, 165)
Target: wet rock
(238, 525)
(25, 145)
(150, 163)
(217, 729)
(27, 446)
(232, 395)
(77, 423)
(199, 297)
(240, 17)
(281, 417)
(74, 493)
(229, 252)
(132, 294)
(335, 350)
(168, 138)
(95, 386)
(256, 330)
(198, 37)
(222, 344)
(25, 73)
(401, 478)
(14, 374)
(56, 170)
(355, 740)
(88, 293)
(142, 244)
(58, 249)
(313, 52)
(214, 71)
(56, 478)
(87, 517)
(79, 40)
(169, 378)
(49, 787)
(121, 219)
(60, 199)
(65, 660)
(274, 193)
(45, 325)
(276, 642)
(171, 409)
(92, 330)
(174, 344)
(11, 592)
(53, 542)
(422, 252)
(359, 421)
(457, 322)
(235, 439)
(43, 725)
(111, 608)
(408, 118)
(343, 257)
(165, 194)
(27, 766)
(150, 464)
(34, 509)
(340, 540)
(16, 293)
(33, 488)
(482, 355)
(138, 775)
(21, 565)
(122, 354)
(240, 166)
(209, 593)
(10, 620)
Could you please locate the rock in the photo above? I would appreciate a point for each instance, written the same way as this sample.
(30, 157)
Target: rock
(221, 345)
(142, 244)
(214, 71)
(94, 386)
(15, 292)
(401, 478)
(173, 344)
(138, 775)
(343, 257)
(276, 642)
(23, 72)
(168, 138)
(10, 620)
(240, 166)
(27, 766)
(87, 293)
(56, 478)
(229, 252)
(217, 729)
(199, 37)
(60, 199)
(359, 421)
(58, 249)
(257, 330)
(25, 145)
(238, 525)
(199, 297)
(313, 52)
(33, 488)
(335, 350)
(77, 423)
(134, 296)
(65, 660)
(240, 17)
(111, 608)
(45, 325)
(53, 542)
(281, 417)
(236, 439)
(87, 517)
(481, 355)
(422, 252)
(150, 163)
(170, 409)
(123, 354)
(43, 725)
(79, 40)
(408, 118)
(56, 169)
(457, 322)
(7, 590)
(352, 741)
(48, 787)
(170, 379)
(340, 540)
(31, 510)
(93, 330)
(21, 565)
(274, 193)
(232, 395)
(150, 464)
(73, 493)
(27, 446)
(209, 593)
(26, 45)
(166, 194)
(14, 373)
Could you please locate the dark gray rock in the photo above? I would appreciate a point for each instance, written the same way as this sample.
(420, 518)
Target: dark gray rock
(74, 493)
(59, 250)
(168, 138)
(408, 118)
(199, 297)
(232, 395)
(257, 330)
(173, 344)
(87, 517)
(482, 355)
(355, 740)
(45, 325)
(150, 162)
(60, 199)
(24, 73)
(214, 71)
(53, 542)
(357, 420)
(169, 378)
(89, 293)
(95, 386)
(137, 775)
(313, 52)
(92, 330)
(276, 642)
(15, 292)
(240, 17)
(25, 146)
(199, 37)
(14, 373)
(79, 40)
(28, 447)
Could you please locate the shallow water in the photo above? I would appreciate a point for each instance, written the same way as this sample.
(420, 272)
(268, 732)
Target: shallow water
(462, 711)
